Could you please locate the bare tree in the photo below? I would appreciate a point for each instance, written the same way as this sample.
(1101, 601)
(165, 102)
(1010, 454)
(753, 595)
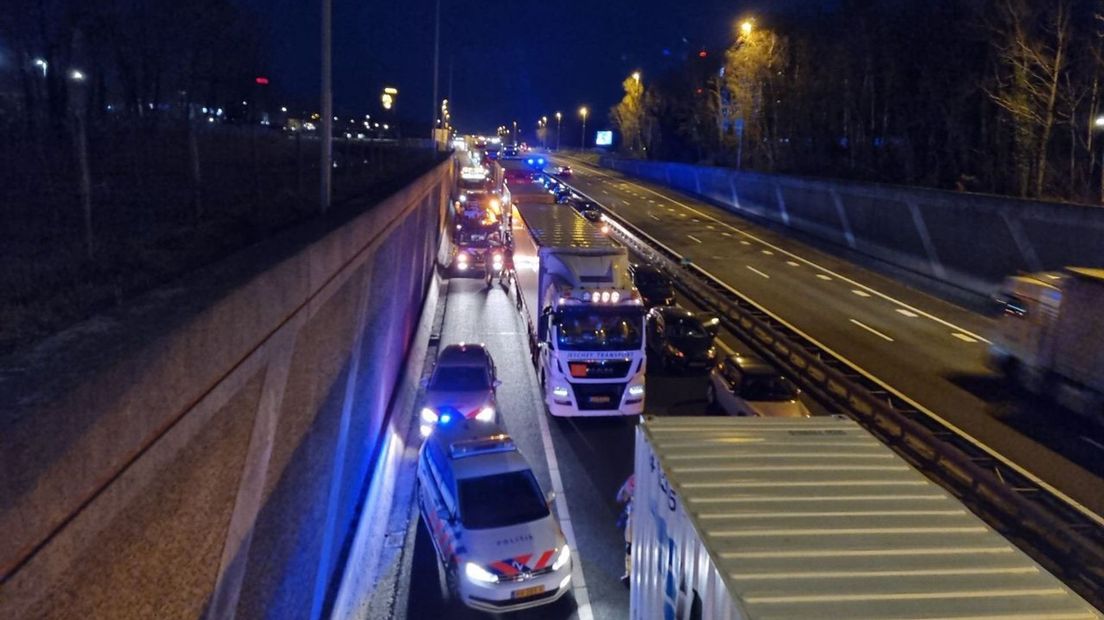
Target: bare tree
(1031, 42)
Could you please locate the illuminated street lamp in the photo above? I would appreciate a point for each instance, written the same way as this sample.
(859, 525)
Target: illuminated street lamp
(1099, 122)
(559, 122)
(76, 76)
(746, 27)
(636, 76)
(583, 113)
(388, 97)
(42, 64)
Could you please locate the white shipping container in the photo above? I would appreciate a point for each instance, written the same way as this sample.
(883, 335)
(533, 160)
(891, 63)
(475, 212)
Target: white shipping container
(793, 518)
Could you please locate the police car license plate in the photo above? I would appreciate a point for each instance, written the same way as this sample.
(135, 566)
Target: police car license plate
(527, 592)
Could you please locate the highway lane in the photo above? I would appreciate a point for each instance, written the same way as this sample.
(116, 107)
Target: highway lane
(928, 350)
(594, 456)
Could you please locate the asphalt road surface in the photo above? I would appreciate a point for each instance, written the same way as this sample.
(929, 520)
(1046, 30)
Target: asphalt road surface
(929, 351)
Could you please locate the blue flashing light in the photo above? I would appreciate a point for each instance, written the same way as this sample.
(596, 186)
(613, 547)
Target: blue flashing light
(445, 418)
(529, 161)
(541, 161)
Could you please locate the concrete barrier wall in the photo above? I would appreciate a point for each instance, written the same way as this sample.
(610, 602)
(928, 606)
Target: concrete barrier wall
(970, 241)
(202, 453)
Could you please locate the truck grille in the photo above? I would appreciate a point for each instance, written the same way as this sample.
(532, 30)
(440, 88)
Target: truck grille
(592, 396)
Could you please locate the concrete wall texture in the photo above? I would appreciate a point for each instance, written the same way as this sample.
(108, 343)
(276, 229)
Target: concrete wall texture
(970, 241)
(203, 453)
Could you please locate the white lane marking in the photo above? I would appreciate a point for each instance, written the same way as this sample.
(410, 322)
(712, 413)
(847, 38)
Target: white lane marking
(578, 582)
(963, 337)
(732, 351)
(793, 263)
(653, 217)
(860, 292)
(811, 263)
(871, 330)
(758, 272)
(711, 227)
(824, 277)
(1026, 473)
(652, 200)
(909, 313)
(726, 234)
(694, 238)
(745, 242)
(605, 192)
(693, 219)
(767, 252)
(1093, 442)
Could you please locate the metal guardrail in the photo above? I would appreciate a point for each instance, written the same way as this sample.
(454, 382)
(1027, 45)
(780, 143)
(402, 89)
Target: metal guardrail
(1066, 541)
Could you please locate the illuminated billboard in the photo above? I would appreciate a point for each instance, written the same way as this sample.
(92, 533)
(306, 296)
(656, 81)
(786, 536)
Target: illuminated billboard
(603, 138)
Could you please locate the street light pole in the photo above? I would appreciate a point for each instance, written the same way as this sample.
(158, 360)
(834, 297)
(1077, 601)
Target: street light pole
(559, 122)
(582, 142)
(436, 59)
(326, 159)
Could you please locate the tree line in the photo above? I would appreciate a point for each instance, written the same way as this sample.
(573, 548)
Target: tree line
(998, 96)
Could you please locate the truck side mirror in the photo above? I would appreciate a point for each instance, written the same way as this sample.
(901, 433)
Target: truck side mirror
(542, 325)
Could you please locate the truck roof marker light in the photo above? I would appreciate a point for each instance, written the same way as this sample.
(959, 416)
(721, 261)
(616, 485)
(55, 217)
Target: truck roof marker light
(605, 296)
(615, 297)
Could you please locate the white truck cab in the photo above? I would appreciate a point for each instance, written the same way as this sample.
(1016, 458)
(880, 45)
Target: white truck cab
(499, 545)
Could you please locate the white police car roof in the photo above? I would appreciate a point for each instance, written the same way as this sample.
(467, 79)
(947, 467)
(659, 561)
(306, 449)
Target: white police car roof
(474, 448)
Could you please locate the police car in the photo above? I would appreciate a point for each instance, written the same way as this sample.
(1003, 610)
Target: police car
(500, 548)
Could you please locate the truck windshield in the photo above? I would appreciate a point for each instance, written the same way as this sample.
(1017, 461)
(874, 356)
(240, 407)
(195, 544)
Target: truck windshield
(599, 329)
(501, 500)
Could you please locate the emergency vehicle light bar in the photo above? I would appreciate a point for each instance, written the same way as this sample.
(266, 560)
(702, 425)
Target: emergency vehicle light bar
(485, 445)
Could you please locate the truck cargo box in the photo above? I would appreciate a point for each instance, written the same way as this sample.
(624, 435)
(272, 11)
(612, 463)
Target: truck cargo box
(1079, 337)
(755, 518)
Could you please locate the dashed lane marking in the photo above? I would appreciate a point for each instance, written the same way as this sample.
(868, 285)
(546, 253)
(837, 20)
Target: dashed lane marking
(694, 238)
(963, 337)
(758, 272)
(871, 330)
(860, 292)
(909, 313)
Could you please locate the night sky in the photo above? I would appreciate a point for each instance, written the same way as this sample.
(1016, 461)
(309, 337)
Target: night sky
(510, 59)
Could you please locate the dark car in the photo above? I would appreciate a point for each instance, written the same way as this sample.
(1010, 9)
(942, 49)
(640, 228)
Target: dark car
(562, 193)
(564, 171)
(592, 213)
(682, 340)
(656, 289)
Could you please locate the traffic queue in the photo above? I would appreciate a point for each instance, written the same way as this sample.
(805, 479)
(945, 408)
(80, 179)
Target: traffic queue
(498, 544)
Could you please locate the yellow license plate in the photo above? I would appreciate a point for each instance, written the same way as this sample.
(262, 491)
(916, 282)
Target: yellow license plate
(527, 592)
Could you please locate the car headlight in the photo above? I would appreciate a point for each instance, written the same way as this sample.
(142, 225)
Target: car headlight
(563, 558)
(428, 416)
(485, 414)
(711, 353)
(479, 574)
(463, 198)
(559, 391)
(636, 391)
